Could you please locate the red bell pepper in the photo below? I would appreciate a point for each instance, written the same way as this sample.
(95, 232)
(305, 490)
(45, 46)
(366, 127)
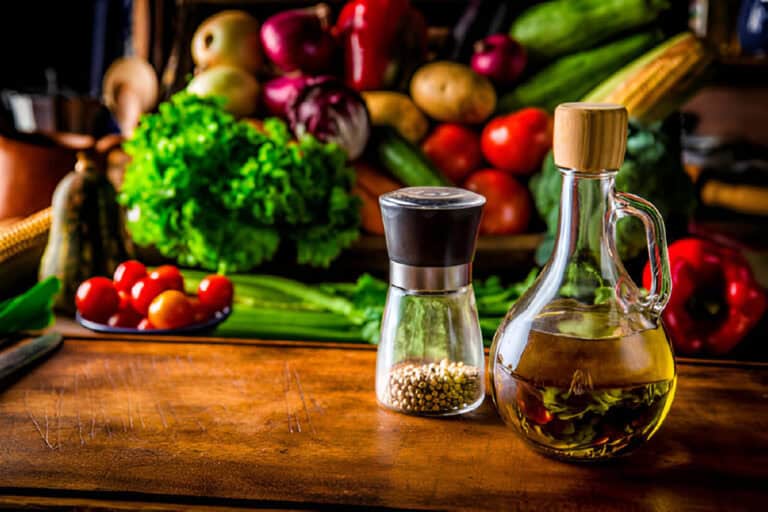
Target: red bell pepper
(715, 299)
(382, 39)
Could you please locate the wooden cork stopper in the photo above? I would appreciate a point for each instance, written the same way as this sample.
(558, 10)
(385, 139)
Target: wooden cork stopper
(590, 137)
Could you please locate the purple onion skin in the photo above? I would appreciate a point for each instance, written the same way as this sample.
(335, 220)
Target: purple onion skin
(499, 58)
(332, 112)
(299, 40)
(278, 93)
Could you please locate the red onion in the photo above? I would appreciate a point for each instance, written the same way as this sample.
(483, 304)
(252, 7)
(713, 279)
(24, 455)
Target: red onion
(500, 58)
(299, 39)
(332, 112)
(279, 92)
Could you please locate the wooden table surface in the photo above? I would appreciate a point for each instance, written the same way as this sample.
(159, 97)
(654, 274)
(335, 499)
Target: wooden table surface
(164, 425)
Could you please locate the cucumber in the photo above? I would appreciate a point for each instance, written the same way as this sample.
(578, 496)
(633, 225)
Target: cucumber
(560, 27)
(405, 161)
(571, 77)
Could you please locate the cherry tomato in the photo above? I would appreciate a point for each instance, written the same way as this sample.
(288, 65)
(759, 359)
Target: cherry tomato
(124, 318)
(171, 310)
(508, 206)
(144, 292)
(215, 292)
(144, 325)
(202, 312)
(169, 274)
(127, 273)
(454, 149)
(517, 143)
(125, 300)
(97, 299)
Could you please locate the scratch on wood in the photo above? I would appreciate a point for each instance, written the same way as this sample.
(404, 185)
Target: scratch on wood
(87, 372)
(123, 373)
(107, 424)
(316, 405)
(138, 414)
(74, 386)
(80, 429)
(93, 420)
(133, 367)
(303, 401)
(46, 427)
(154, 362)
(162, 416)
(286, 389)
(35, 422)
(130, 416)
(199, 424)
(172, 410)
(108, 373)
(59, 401)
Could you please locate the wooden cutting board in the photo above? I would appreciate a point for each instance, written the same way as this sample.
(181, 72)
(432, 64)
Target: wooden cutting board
(164, 425)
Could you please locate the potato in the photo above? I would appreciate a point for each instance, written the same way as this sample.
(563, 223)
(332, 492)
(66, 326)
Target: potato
(452, 92)
(388, 108)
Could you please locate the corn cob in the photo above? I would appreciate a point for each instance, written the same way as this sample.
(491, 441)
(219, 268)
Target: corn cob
(749, 199)
(658, 82)
(25, 234)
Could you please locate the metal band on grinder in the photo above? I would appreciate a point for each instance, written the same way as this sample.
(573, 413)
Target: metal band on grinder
(430, 279)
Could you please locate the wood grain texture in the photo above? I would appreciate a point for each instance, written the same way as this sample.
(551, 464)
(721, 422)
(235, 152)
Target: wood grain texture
(271, 426)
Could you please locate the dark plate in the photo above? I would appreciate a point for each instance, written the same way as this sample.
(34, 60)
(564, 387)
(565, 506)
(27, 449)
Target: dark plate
(203, 328)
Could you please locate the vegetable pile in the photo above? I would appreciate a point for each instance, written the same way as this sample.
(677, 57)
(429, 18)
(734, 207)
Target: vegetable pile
(477, 116)
(220, 194)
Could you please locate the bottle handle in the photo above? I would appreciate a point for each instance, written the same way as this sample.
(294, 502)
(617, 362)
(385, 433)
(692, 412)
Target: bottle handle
(658, 257)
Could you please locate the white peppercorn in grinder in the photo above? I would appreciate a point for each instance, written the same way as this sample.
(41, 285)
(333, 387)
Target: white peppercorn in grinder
(430, 357)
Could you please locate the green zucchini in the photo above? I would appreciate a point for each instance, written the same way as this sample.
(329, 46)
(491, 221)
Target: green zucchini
(405, 161)
(560, 27)
(571, 77)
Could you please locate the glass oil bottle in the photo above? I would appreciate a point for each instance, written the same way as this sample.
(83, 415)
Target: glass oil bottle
(581, 366)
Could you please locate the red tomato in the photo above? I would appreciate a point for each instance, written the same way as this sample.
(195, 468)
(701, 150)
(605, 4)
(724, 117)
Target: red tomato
(169, 274)
(215, 292)
(144, 325)
(454, 149)
(124, 318)
(508, 206)
(97, 299)
(171, 310)
(518, 142)
(144, 292)
(125, 300)
(127, 273)
(202, 312)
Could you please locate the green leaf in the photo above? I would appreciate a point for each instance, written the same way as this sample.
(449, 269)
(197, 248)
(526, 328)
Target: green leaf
(213, 192)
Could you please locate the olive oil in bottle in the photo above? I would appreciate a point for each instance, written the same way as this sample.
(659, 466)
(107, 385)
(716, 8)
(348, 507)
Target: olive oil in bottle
(592, 398)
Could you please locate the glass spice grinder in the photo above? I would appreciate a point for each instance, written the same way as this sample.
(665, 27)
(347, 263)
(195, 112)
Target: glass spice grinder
(581, 366)
(430, 358)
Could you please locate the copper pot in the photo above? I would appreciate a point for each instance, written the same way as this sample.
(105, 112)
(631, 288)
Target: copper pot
(31, 165)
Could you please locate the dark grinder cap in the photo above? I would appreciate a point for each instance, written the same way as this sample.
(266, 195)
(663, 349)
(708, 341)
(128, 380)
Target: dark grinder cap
(431, 226)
